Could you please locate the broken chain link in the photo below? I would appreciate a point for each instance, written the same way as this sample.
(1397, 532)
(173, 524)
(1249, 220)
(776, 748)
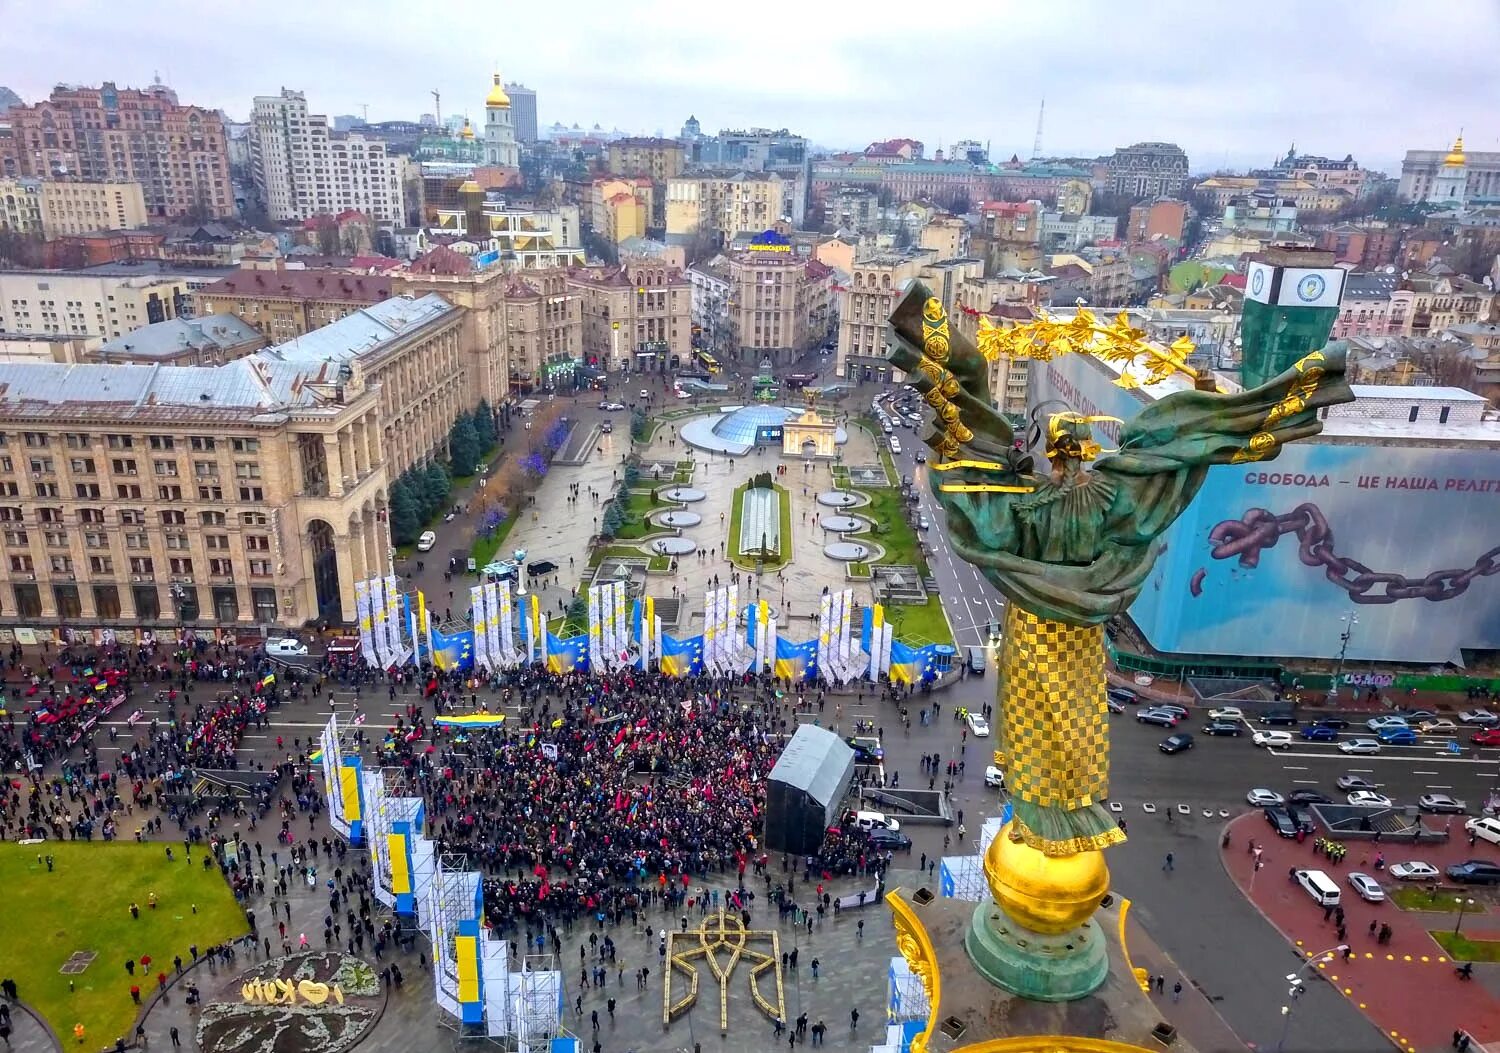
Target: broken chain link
(1260, 530)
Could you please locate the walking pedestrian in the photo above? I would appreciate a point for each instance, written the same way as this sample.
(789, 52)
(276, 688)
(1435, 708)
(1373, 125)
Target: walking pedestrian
(1167, 864)
(1177, 991)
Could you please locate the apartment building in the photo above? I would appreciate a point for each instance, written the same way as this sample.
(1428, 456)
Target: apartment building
(284, 304)
(302, 169)
(656, 159)
(722, 206)
(81, 208)
(178, 154)
(543, 328)
(636, 316)
(107, 301)
(621, 207)
(866, 303)
(21, 205)
(246, 494)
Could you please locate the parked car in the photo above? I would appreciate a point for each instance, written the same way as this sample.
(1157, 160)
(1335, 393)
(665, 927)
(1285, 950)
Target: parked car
(1273, 740)
(1441, 803)
(1368, 888)
(1226, 713)
(1156, 716)
(1302, 818)
(1479, 717)
(866, 750)
(1369, 799)
(1379, 724)
(1281, 822)
(890, 840)
(1308, 797)
(1414, 870)
(541, 566)
(1437, 726)
(426, 541)
(978, 726)
(1223, 727)
(1176, 743)
(1398, 737)
(994, 777)
(1475, 872)
(1359, 746)
(1338, 723)
(1320, 733)
(1264, 798)
(1280, 718)
(1356, 782)
(871, 821)
(1171, 707)
(286, 647)
(923, 523)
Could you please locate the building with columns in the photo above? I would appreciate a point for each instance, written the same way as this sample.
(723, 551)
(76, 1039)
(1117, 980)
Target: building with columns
(249, 494)
(637, 316)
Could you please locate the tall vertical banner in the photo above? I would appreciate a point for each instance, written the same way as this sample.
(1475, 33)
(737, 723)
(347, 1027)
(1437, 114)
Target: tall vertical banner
(595, 629)
(710, 626)
(655, 636)
(733, 639)
(825, 618)
(607, 624)
(492, 626)
(887, 639)
(477, 615)
(844, 626)
(622, 627)
(873, 643)
(423, 625)
(366, 621)
(393, 619)
(541, 629)
(382, 612)
(507, 625)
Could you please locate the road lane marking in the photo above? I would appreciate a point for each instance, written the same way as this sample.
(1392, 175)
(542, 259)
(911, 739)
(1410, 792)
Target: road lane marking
(1424, 773)
(1305, 782)
(1438, 786)
(1363, 771)
(1295, 767)
(1428, 760)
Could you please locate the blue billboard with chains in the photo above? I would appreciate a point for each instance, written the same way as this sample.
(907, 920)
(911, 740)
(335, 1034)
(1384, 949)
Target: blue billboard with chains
(1270, 559)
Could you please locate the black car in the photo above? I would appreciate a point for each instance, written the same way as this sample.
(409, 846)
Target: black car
(1308, 797)
(1283, 719)
(1281, 822)
(1475, 872)
(893, 840)
(1337, 723)
(541, 566)
(864, 751)
(1223, 727)
(1122, 696)
(1176, 743)
(1301, 817)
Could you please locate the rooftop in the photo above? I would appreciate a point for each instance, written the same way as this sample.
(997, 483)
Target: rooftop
(172, 337)
(312, 284)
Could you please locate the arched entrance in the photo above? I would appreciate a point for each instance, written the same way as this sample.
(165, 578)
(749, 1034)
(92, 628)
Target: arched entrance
(809, 448)
(325, 569)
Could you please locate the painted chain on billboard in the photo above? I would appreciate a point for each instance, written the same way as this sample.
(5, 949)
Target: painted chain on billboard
(1270, 558)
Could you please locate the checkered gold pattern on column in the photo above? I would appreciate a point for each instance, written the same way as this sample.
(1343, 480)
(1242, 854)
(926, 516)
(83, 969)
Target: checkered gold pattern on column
(1053, 718)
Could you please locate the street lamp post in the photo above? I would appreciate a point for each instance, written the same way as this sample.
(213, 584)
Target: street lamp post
(1351, 620)
(1296, 986)
(1463, 904)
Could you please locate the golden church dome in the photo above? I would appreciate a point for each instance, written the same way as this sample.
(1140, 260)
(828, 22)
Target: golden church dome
(497, 96)
(468, 131)
(1455, 158)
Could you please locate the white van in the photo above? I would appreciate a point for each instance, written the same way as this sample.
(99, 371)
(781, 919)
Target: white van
(872, 821)
(1486, 828)
(426, 541)
(1319, 886)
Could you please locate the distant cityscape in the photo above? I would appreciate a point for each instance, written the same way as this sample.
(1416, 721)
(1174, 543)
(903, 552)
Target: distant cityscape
(140, 230)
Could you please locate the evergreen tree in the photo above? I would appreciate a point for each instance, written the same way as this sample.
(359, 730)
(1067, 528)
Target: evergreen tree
(439, 486)
(406, 523)
(484, 426)
(463, 446)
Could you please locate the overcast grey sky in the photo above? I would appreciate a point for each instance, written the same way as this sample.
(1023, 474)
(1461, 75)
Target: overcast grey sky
(1231, 84)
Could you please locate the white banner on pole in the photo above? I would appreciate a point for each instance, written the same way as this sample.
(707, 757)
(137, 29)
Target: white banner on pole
(366, 621)
(844, 629)
(477, 616)
(381, 612)
(393, 619)
(622, 628)
(594, 628)
(492, 617)
(825, 617)
(507, 622)
(656, 638)
(734, 640)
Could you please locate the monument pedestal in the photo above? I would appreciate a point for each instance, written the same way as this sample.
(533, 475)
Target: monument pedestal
(1048, 968)
(965, 948)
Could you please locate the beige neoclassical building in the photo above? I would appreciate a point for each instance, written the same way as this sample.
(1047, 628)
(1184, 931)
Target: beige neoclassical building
(251, 493)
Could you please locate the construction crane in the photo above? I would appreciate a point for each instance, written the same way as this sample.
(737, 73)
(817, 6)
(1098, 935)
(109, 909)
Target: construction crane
(437, 104)
(365, 107)
(1036, 146)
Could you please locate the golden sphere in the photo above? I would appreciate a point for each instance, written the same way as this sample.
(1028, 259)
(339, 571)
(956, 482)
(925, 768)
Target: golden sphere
(1046, 894)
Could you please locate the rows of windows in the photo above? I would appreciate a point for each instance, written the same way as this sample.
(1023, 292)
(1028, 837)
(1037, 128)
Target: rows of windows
(184, 604)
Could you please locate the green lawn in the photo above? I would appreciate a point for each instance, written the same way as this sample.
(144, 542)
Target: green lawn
(1409, 897)
(859, 569)
(485, 547)
(783, 553)
(1462, 949)
(84, 905)
(920, 624)
(603, 552)
(638, 504)
(888, 511)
